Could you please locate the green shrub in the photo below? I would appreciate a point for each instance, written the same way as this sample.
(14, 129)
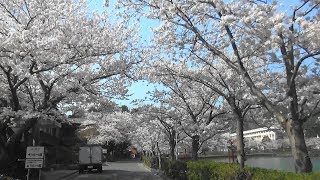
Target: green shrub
(206, 170)
(198, 171)
(203, 170)
(266, 174)
(174, 169)
(146, 161)
(211, 170)
(3, 177)
(154, 162)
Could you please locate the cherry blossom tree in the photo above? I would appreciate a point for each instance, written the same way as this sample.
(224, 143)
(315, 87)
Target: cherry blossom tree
(148, 134)
(245, 33)
(115, 126)
(142, 128)
(227, 84)
(200, 116)
(58, 47)
(58, 53)
(169, 121)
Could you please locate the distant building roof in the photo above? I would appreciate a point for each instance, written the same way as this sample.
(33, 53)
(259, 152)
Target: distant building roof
(84, 122)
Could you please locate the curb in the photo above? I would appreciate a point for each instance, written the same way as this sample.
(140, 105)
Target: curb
(67, 175)
(53, 177)
(148, 168)
(156, 172)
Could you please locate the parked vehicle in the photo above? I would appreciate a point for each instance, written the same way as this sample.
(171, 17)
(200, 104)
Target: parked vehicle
(90, 157)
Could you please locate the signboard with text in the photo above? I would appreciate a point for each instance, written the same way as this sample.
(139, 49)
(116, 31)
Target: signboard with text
(35, 152)
(34, 163)
(34, 157)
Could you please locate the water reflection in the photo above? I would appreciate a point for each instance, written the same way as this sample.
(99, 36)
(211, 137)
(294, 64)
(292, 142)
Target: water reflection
(278, 163)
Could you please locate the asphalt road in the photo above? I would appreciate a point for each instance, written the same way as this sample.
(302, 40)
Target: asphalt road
(121, 170)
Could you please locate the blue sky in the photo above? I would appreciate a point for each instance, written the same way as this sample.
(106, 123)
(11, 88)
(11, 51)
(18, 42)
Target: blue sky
(138, 90)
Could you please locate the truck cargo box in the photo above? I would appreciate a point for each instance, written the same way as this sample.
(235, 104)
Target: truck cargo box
(90, 157)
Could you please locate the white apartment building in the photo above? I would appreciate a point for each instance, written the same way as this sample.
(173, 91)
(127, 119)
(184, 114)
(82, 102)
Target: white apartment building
(258, 134)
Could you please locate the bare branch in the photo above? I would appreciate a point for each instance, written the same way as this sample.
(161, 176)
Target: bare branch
(297, 66)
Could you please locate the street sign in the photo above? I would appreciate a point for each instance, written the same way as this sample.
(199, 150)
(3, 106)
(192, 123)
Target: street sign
(34, 159)
(34, 152)
(34, 163)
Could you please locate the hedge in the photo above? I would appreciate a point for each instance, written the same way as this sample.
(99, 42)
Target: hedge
(146, 161)
(217, 170)
(211, 170)
(206, 170)
(174, 169)
(3, 177)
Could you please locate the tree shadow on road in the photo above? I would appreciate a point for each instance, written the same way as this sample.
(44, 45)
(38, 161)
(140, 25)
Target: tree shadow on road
(119, 175)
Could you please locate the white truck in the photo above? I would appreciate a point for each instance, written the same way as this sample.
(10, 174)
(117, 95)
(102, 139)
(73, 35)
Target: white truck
(90, 157)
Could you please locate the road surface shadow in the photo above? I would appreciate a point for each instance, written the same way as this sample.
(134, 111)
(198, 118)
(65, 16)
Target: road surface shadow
(127, 160)
(118, 175)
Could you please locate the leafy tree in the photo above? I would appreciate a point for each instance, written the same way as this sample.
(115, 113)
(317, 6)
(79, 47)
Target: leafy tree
(169, 121)
(226, 84)
(250, 36)
(312, 128)
(114, 126)
(54, 54)
(196, 106)
(118, 149)
(124, 108)
(265, 139)
(148, 135)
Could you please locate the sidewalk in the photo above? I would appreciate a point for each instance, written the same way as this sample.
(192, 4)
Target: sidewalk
(57, 174)
(156, 172)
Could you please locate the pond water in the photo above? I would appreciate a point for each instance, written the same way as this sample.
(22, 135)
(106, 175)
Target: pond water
(278, 163)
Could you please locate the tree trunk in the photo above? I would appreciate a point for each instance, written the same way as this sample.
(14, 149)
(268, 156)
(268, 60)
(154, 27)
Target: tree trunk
(293, 128)
(15, 104)
(153, 152)
(36, 134)
(172, 150)
(299, 150)
(159, 157)
(172, 144)
(240, 143)
(195, 147)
